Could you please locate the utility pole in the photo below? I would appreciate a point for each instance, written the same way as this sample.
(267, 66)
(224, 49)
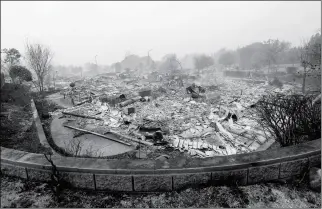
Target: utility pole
(149, 56)
(96, 63)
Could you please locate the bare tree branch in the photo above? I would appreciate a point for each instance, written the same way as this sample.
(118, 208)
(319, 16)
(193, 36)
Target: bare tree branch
(39, 59)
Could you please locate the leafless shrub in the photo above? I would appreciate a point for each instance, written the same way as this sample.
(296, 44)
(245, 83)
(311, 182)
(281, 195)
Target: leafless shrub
(74, 147)
(57, 182)
(290, 118)
(90, 152)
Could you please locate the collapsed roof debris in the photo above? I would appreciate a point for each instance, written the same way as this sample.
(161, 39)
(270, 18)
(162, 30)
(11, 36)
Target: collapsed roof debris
(208, 119)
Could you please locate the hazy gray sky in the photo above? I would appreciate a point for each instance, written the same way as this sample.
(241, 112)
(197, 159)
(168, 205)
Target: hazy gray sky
(77, 31)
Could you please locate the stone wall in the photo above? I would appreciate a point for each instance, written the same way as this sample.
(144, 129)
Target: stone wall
(149, 176)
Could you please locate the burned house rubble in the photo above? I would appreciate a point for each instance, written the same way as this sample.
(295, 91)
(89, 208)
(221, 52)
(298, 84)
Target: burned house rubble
(203, 117)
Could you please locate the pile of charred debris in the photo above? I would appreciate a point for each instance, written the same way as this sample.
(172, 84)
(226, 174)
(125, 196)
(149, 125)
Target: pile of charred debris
(203, 120)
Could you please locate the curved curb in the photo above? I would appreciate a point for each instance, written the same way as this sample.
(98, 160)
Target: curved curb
(174, 174)
(40, 131)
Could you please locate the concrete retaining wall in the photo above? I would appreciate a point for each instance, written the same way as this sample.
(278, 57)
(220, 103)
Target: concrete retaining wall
(149, 175)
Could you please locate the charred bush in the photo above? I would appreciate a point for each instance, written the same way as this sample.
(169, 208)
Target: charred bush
(291, 119)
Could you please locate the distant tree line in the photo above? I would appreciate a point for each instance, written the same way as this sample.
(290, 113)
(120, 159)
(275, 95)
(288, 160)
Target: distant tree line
(270, 54)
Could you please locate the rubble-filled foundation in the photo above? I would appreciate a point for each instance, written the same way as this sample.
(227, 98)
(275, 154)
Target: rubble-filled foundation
(218, 121)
